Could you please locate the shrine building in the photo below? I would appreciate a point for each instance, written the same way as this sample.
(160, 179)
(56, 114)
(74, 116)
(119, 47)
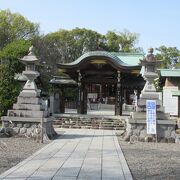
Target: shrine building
(99, 77)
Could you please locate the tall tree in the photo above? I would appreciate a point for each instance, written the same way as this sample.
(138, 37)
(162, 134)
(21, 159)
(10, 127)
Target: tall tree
(167, 54)
(14, 26)
(15, 36)
(9, 88)
(66, 46)
(121, 41)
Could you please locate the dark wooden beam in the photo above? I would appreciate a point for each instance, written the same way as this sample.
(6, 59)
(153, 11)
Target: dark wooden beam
(91, 72)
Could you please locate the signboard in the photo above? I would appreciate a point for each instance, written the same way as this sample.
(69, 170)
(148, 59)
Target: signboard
(151, 116)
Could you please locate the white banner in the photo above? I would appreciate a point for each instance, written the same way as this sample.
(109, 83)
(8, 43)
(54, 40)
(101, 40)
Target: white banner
(151, 116)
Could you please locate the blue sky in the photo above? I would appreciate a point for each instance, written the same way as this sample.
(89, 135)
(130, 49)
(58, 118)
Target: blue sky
(157, 21)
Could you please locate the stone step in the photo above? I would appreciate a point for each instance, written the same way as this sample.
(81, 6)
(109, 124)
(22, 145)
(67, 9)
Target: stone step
(25, 113)
(113, 124)
(28, 100)
(33, 107)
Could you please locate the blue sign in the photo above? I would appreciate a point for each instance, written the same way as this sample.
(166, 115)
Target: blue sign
(151, 116)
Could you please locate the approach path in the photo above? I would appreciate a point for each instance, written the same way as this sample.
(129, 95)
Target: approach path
(79, 154)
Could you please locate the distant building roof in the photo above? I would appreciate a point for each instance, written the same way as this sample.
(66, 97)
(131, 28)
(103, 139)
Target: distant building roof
(170, 72)
(176, 93)
(62, 80)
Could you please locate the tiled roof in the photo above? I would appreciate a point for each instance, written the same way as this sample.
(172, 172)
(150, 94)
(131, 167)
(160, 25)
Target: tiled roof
(120, 58)
(62, 80)
(176, 93)
(170, 72)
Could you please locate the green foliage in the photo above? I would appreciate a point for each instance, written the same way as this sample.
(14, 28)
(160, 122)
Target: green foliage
(121, 41)
(67, 45)
(14, 26)
(70, 93)
(15, 35)
(9, 89)
(12, 52)
(166, 54)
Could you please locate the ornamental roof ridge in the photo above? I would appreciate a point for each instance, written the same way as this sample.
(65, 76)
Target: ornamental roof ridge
(128, 53)
(112, 56)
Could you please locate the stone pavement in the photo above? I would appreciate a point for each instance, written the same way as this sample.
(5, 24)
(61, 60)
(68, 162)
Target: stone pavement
(78, 154)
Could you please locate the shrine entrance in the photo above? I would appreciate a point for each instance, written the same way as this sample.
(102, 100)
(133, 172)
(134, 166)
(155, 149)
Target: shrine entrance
(101, 98)
(103, 81)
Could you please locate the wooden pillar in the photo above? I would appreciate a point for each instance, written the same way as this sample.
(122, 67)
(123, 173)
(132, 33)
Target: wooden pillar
(125, 95)
(121, 100)
(118, 105)
(178, 106)
(62, 100)
(79, 93)
(83, 99)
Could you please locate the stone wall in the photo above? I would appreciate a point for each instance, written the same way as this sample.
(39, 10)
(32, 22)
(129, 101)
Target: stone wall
(138, 132)
(29, 129)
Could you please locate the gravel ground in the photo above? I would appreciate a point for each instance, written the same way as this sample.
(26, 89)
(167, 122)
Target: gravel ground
(152, 161)
(13, 150)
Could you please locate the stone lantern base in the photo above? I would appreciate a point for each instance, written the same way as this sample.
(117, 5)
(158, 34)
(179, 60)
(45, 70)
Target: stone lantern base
(29, 118)
(136, 128)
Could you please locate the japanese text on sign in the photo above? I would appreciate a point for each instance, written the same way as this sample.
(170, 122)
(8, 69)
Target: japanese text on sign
(151, 116)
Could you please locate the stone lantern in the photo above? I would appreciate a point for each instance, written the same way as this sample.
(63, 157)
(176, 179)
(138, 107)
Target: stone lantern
(30, 72)
(29, 117)
(136, 127)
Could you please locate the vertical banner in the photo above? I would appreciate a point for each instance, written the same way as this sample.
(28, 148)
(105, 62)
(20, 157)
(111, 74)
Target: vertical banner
(151, 116)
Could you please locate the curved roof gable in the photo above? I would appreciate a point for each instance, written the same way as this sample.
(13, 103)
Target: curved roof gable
(114, 58)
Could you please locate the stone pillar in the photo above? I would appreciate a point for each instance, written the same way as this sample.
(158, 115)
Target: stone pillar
(51, 103)
(56, 102)
(118, 106)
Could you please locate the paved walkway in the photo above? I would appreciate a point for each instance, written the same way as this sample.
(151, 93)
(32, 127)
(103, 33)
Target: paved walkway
(79, 154)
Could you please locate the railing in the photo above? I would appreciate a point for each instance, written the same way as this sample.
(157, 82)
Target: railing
(71, 104)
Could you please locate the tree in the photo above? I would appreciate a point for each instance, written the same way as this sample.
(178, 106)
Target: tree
(14, 26)
(67, 45)
(121, 41)
(9, 88)
(15, 37)
(167, 54)
(64, 46)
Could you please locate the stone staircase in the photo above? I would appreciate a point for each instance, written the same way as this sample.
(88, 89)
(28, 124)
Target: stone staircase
(95, 122)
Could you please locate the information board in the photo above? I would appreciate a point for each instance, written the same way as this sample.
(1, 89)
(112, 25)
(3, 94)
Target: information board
(151, 116)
